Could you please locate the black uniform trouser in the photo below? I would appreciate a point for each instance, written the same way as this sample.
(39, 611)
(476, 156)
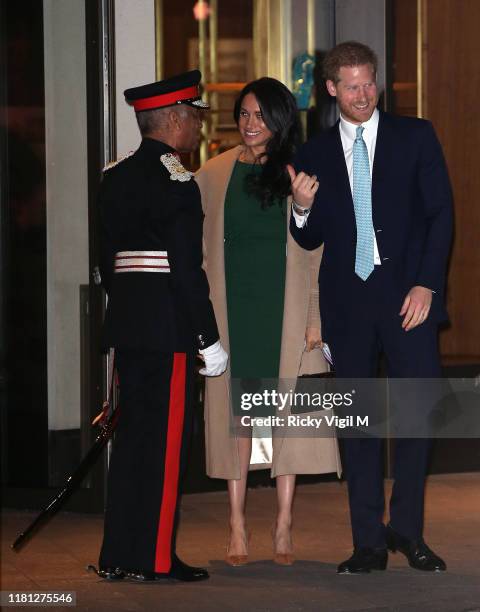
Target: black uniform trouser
(148, 459)
(375, 327)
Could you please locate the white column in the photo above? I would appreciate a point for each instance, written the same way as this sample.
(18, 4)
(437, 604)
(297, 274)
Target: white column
(67, 204)
(134, 63)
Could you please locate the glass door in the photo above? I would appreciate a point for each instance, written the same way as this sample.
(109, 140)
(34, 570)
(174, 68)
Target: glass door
(52, 140)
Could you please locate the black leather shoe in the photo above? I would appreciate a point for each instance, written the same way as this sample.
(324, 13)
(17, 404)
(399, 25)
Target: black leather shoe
(364, 560)
(418, 554)
(179, 571)
(108, 573)
(186, 573)
(140, 575)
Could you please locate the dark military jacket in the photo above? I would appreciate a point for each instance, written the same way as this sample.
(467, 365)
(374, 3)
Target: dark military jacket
(142, 209)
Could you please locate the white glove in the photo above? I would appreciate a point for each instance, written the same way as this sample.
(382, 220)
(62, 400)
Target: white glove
(216, 360)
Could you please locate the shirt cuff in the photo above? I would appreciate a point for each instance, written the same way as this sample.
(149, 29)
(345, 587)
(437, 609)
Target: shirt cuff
(300, 220)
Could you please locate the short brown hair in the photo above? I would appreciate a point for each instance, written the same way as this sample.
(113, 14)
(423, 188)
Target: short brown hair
(350, 53)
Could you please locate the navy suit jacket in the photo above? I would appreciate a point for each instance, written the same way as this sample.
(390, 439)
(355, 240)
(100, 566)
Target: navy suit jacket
(411, 208)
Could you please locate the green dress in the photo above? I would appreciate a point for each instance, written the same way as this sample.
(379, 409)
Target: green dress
(255, 257)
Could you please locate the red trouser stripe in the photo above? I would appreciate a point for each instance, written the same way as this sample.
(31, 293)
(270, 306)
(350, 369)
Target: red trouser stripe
(176, 413)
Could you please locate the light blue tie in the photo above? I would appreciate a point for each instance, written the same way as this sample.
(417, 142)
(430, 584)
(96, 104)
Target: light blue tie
(362, 203)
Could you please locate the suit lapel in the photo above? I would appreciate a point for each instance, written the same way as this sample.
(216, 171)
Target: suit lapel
(383, 153)
(338, 165)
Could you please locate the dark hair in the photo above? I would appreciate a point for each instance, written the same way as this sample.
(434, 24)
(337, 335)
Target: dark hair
(350, 53)
(280, 114)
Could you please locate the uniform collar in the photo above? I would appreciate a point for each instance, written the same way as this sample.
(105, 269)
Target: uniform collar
(155, 147)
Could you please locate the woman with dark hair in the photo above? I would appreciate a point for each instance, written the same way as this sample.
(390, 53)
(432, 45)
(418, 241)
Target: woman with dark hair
(272, 323)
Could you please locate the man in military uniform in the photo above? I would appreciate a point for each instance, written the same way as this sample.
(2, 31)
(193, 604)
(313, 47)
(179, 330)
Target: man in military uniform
(159, 314)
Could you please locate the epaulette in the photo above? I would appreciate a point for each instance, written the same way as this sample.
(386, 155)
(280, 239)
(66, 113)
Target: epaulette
(112, 164)
(173, 165)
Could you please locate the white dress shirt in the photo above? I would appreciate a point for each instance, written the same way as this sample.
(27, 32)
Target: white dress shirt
(348, 133)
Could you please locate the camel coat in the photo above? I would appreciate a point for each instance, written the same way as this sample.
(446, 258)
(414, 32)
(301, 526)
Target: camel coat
(291, 455)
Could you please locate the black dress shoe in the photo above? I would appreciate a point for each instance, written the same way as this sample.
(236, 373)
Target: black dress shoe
(364, 560)
(186, 573)
(417, 552)
(108, 573)
(179, 571)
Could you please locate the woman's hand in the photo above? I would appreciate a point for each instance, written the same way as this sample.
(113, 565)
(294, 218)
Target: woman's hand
(304, 187)
(313, 338)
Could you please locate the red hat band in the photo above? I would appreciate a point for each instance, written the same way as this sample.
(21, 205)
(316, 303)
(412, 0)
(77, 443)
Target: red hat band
(165, 99)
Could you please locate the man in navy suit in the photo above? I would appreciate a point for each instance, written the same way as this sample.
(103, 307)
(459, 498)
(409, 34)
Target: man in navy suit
(374, 189)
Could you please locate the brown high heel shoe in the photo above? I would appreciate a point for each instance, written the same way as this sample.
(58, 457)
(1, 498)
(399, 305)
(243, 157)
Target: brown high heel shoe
(281, 558)
(237, 560)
